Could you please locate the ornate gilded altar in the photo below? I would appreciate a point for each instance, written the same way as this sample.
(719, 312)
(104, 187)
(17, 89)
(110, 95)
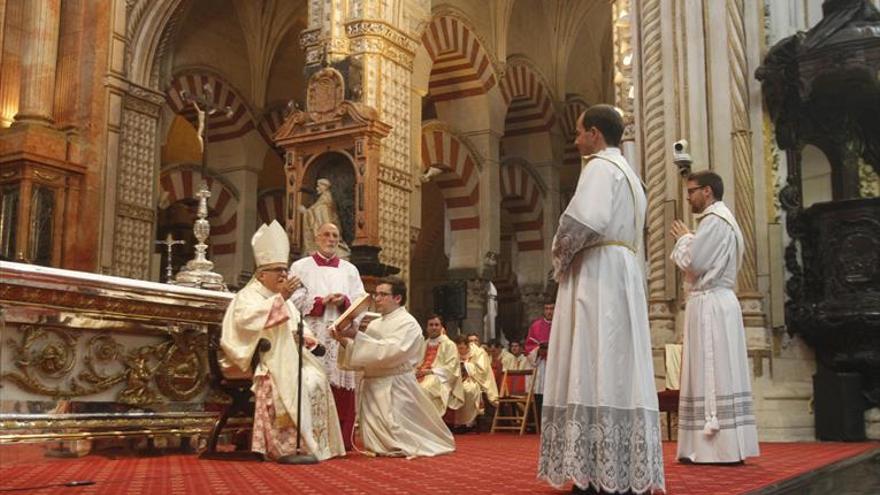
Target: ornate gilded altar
(86, 356)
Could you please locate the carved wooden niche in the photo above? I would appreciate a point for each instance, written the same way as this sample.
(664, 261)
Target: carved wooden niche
(39, 207)
(338, 140)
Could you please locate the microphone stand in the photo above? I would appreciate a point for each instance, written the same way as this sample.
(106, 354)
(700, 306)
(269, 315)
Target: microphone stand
(298, 457)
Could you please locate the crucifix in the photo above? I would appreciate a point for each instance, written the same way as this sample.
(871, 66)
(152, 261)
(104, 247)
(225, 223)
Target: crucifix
(198, 271)
(169, 243)
(205, 108)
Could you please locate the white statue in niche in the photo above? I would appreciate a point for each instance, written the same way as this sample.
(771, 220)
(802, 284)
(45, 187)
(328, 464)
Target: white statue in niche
(322, 211)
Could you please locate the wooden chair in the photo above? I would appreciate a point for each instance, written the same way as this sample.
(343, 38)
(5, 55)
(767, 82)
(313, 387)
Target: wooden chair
(516, 394)
(238, 386)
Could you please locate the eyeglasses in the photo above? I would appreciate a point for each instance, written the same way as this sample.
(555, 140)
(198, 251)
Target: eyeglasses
(279, 269)
(381, 294)
(692, 189)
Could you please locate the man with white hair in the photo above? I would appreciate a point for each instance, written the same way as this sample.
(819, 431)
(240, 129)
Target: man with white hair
(329, 286)
(261, 311)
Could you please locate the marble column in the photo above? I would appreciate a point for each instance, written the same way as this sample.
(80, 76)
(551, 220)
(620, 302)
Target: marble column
(38, 63)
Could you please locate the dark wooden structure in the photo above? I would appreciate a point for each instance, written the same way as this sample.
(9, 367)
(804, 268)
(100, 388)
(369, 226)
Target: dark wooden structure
(822, 88)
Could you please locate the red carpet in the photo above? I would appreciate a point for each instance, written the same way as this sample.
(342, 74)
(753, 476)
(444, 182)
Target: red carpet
(482, 464)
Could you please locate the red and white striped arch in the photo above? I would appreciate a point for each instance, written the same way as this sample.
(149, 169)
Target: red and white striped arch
(459, 183)
(574, 107)
(522, 198)
(271, 122)
(462, 66)
(270, 205)
(530, 104)
(183, 182)
(220, 127)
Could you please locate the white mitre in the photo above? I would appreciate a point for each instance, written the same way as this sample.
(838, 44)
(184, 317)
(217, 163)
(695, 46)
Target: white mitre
(271, 245)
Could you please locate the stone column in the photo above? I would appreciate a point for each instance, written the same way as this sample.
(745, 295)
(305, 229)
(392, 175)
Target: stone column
(652, 57)
(487, 143)
(10, 60)
(744, 174)
(245, 179)
(41, 19)
(533, 298)
(477, 298)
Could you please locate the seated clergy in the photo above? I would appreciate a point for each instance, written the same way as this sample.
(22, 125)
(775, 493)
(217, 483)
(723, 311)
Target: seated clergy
(439, 373)
(395, 416)
(496, 354)
(261, 310)
(480, 356)
(515, 359)
(476, 378)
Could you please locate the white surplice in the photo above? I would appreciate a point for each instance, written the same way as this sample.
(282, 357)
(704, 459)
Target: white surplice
(255, 313)
(600, 422)
(443, 384)
(535, 362)
(716, 422)
(395, 415)
(319, 282)
(511, 362)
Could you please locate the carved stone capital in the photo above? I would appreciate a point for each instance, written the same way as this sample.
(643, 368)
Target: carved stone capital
(752, 304)
(381, 30)
(477, 292)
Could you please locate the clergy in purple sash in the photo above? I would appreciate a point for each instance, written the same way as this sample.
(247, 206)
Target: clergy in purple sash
(330, 284)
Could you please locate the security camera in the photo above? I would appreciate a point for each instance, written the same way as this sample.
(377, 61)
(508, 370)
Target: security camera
(681, 157)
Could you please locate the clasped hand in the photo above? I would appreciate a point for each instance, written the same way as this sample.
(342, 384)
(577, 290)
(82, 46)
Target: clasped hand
(334, 299)
(678, 230)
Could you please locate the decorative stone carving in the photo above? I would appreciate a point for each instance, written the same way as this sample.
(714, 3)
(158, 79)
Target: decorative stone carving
(325, 95)
(135, 188)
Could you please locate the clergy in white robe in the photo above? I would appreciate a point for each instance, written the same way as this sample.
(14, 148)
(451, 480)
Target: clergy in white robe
(395, 416)
(261, 311)
(329, 285)
(716, 422)
(481, 361)
(474, 378)
(514, 359)
(600, 423)
(439, 373)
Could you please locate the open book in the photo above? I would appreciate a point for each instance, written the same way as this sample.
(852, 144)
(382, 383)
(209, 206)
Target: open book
(357, 307)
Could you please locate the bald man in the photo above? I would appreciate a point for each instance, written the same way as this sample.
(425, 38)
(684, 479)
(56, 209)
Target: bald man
(330, 284)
